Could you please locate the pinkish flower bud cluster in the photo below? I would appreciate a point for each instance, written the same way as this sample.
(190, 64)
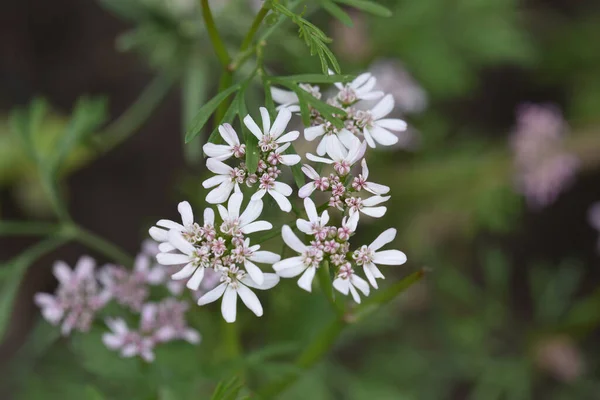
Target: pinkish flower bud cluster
(83, 294)
(544, 168)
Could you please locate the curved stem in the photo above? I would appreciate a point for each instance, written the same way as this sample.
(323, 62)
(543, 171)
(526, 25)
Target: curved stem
(213, 34)
(99, 244)
(27, 228)
(254, 28)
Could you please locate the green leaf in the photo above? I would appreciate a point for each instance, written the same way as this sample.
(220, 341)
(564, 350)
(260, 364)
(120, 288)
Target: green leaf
(206, 111)
(230, 114)
(296, 169)
(228, 390)
(338, 13)
(368, 6)
(329, 112)
(26, 122)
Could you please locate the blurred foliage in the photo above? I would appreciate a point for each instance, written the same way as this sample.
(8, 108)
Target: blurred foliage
(483, 326)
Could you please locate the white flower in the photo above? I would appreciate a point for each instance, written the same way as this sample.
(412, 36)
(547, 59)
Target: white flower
(360, 88)
(248, 255)
(318, 182)
(342, 162)
(360, 182)
(128, 342)
(224, 151)
(341, 138)
(288, 99)
(279, 191)
(368, 256)
(269, 138)
(235, 282)
(346, 281)
(315, 225)
(188, 227)
(226, 180)
(306, 263)
(376, 128)
(235, 224)
(367, 206)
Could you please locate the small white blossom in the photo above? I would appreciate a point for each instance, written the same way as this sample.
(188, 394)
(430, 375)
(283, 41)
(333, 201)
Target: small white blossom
(367, 206)
(318, 182)
(269, 138)
(288, 99)
(223, 152)
(226, 180)
(368, 256)
(315, 225)
(236, 282)
(376, 128)
(279, 191)
(347, 281)
(188, 227)
(235, 224)
(360, 182)
(342, 162)
(361, 88)
(129, 343)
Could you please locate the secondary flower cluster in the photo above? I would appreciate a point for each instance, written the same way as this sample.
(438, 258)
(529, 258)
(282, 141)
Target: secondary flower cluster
(544, 167)
(84, 292)
(219, 249)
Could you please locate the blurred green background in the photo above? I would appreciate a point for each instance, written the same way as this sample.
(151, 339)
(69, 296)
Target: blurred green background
(511, 306)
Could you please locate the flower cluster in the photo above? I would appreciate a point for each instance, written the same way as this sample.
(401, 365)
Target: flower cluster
(370, 124)
(544, 167)
(222, 250)
(272, 144)
(84, 292)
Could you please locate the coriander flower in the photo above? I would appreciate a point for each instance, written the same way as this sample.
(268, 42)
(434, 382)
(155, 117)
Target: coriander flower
(269, 138)
(77, 298)
(342, 162)
(236, 282)
(376, 128)
(235, 224)
(360, 182)
(318, 182)
(315, 225)
(226, 180)
(369, 257)
(367, 206)
(347, 281)
(188, 227)
(233, 147)
(361, 88)
(129, 343)
(165, 321)
(279, 191)
(289, 99)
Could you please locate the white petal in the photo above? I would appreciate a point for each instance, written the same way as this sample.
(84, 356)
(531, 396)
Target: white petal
(112, 341)
(229, 135)
(393, 124)
(185, 272)
(218, 167)
(305, 281)
(270, 281)
(281, 122)
(368, 270)
(354, 293)
(283, 96)
(209, 216)
(383, 108)
(290, 238)
(334, 148)
(252, 212)
(214, 181)
(288, 263)
(223, 213)
(311, 210)
(376, 188)
(375, 212)
(180, 243)
(191, 336)
(251, 125)
(372, 95)
(356, 152)
(383, 136)
(341, 285)
(255, 273)
(389, 257)
(234, 205)
(229, 304)
(361, 80)
(306, 190)
(213, 295)
(160, 235)
(292, 271)
(304, 226)
(266, 119)
(256, 226)
(384, 238)
(172, 259)
(324, 218)
(290, 159)
(314, 132)
(352, 221)
(375, 200)
(310, 171)
(265, 257)
(289, 137)
(283, 188)
(281, 200)
(196, 279)
(347, 138)
(250, 300)
(220, 194)
(360, 284)
(166, 247)
(322, 147)
(84, 267)
(314, 158)
(368, 137)
(62, 272)
(170, 225)
(219, 151)
(258, 195)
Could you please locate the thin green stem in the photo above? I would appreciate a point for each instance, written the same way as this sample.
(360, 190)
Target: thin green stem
(224, 83)
(213, 34)
(99, 244)
(193, 94)
(135, 116)
(28, 228)
(293, 5)
(254, 27)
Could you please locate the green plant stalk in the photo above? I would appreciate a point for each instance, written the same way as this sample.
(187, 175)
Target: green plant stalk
(50, 186)
(225, 81)
(193, 93)
(213, 34)
(326, 286)
(262, 13)
(28, 228)
(99, 244)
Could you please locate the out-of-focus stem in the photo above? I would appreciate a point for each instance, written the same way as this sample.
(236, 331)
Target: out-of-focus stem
(213, 34)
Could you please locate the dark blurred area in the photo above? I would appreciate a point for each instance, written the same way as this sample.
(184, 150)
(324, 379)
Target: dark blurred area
(468, 331)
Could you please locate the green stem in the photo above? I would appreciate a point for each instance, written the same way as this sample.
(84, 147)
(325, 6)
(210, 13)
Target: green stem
(50, 186)
(277, 24)
(193, 91)
(254, 27)
(224, 83)
(326, 286)
(213, 34)
(99, 244)
(27, 228)
(133, 118)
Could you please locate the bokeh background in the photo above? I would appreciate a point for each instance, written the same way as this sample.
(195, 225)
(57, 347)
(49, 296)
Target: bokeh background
(492, 190)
